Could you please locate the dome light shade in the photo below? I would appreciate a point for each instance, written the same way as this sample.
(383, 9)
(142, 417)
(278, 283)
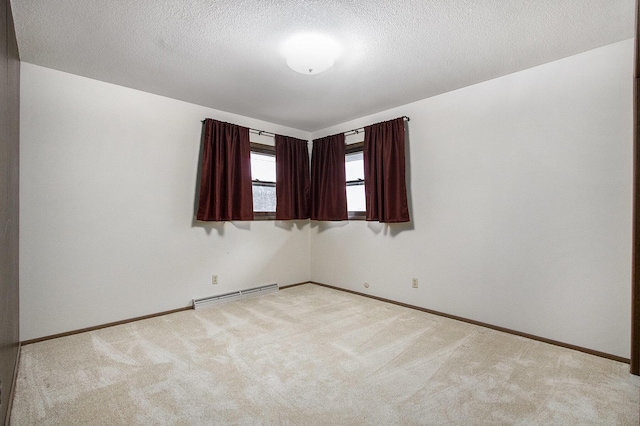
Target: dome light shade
(310, 53)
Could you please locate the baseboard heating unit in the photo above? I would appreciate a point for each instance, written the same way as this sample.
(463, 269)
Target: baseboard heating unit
(236, 295)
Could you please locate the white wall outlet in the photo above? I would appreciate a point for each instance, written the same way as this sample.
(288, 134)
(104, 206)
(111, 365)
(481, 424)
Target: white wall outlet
(414, 283)
(214, 279)
(366, 285)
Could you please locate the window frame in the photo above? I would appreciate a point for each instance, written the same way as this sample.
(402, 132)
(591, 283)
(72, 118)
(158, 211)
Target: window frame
(264, 149)
(353, 148)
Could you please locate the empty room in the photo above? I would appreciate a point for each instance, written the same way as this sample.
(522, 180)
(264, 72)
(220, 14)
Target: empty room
(319, 212)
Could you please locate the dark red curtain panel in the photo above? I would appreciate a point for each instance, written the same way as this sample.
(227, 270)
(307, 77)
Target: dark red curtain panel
(384, 172)
(293, 182)
(328, 179)
(225, 178)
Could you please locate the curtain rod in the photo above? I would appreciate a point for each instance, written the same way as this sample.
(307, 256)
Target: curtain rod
(347, 133)
(361, 129)
(261, 132)
(256, 131)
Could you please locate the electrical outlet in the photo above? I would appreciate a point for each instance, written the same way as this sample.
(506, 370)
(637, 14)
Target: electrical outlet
(414, 283)
(366, 285)
(214, 279)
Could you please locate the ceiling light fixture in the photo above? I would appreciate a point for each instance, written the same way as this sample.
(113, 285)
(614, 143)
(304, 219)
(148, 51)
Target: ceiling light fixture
(310, 53)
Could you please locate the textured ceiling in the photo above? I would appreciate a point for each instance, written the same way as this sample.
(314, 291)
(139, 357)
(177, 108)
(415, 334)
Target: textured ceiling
(226, 55)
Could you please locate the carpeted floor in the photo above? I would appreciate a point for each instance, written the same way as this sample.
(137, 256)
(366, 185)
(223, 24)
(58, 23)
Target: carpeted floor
(312, 355)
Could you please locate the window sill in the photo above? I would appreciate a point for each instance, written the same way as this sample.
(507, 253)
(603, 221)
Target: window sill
(272, 216)
(264, 215)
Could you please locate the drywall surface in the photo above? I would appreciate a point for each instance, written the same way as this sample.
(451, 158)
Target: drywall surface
(520, 195)
(107, 230)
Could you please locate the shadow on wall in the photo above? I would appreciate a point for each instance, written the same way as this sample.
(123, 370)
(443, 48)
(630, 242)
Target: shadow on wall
(323, 226)
(196, 223)
(407, 161)
(209, 227)
(288, 225)
(392, 229)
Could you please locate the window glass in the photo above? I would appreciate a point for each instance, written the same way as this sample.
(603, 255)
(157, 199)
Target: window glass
(263, 174)
(263, 167)
(264, 198)
(354, 168)
(355, 198)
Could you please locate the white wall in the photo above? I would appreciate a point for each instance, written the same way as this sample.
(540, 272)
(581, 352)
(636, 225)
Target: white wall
(521, 201)
(108, 180)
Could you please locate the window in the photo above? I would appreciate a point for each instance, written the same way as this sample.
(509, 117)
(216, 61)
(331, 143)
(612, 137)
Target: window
(354, 167)
(263, 178)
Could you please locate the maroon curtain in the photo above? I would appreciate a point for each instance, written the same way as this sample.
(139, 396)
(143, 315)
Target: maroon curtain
(292, 178)
(384, 172)
(225, 177)
(328, 179)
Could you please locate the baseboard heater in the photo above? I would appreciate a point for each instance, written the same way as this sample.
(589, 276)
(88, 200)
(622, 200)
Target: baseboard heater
(236, 295)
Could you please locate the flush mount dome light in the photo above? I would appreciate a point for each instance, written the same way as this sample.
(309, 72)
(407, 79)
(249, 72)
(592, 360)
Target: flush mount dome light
(310, 53)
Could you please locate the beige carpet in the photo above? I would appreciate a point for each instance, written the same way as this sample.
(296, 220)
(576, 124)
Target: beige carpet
(311, 355)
